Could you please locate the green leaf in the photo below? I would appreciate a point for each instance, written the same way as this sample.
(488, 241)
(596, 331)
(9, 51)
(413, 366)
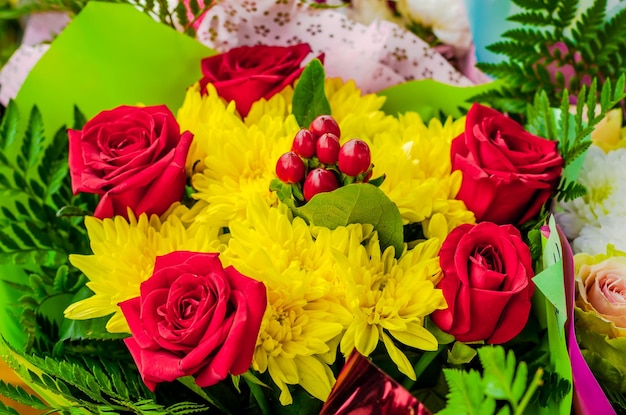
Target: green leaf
(33, 140)
(7, 410)
(357, 203)
(466, 394)
(309, 97)
(79, 119)
(499, 371)
(18, 394)
(461, 353)
(181, 13)
(9, 126)
(255, 386)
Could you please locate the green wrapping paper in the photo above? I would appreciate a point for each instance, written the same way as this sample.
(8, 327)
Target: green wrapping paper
(109, 55)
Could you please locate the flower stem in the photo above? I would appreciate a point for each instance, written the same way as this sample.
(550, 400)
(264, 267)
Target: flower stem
(535, 383)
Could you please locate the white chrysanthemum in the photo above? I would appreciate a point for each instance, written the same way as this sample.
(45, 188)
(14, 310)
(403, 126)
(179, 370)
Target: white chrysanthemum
(446, 18)
(594, 239)
(604, 175)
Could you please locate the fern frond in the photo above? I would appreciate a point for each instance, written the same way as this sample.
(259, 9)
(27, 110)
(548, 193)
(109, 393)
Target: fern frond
(18, 394)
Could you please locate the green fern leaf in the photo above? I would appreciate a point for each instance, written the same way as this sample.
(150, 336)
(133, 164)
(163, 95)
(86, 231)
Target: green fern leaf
(570, 191)
(576, 151)
(8, 242)
(7, 410)
(530, 4)
(19, 180)
(194, 7)
(164, 15)
(54, 168)
(148, 8)
(529, 35)
(33, 140)
(61, 280)
(79, 119)
(586, 28)
(566, 13)
(9, 126)
(524, 52)
(18, 394)
(466, 394)
(615, 28)
(186, 408)
(181, 14)
(532, 18)
(26, 240)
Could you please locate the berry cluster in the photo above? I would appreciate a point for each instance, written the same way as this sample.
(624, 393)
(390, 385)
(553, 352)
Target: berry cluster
(318, 163)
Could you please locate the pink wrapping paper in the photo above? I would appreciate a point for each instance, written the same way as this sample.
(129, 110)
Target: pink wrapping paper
(589, 399)
(375, 56)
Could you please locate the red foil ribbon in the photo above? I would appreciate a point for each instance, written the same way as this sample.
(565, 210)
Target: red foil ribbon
(364, 389)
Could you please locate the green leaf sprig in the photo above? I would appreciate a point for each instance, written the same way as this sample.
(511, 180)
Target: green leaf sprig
(503, 388)
(572, 131)
(309, 96)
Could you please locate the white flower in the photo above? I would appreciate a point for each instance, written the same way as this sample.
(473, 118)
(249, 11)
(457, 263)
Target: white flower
(446, 18)
(366, 11)
(594, 239)
(604, 175)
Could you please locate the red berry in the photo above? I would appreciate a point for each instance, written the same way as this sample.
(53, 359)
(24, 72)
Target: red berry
(324, 124)
(354, 157)
(318, 181)
(290, 168)
(327, 148)
(304, 143)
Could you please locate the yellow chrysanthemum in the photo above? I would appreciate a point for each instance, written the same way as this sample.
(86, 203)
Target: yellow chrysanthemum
(233, 162)
(359, 116)
(416, 161)
(123, 257)
(305, 314)
(389, 297)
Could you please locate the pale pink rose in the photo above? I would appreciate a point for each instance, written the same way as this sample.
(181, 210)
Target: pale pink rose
(602, 288)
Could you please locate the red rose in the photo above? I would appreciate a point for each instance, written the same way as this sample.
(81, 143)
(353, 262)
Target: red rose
(249, 73)
(134, 157)
(508, 173)
(487, 271)
(194, 317)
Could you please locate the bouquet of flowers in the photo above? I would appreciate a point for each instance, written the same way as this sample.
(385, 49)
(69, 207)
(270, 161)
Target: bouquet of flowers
(250, 230)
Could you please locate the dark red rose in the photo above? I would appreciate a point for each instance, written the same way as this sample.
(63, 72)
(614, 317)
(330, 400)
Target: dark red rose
(133, 156)
(194, 317)
(249, 73)
(487, 271)
(508, 173)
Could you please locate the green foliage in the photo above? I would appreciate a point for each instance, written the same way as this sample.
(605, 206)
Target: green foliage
(35, 185)
(309, 98)
(552, 39)
(18, 394)
(7, 410)
(504, 384)
(572, 131)
(96, 384)
(357, 203)
(10, 33)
